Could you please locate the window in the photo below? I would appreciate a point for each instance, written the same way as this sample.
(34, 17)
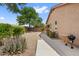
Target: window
(48, 26)
(55, 25)
(55, 22)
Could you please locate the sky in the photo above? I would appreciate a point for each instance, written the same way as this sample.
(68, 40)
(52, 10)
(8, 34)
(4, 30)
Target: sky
(42, 9)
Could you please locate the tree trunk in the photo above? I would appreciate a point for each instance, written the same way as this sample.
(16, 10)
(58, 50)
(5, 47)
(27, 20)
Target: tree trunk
(29, 24)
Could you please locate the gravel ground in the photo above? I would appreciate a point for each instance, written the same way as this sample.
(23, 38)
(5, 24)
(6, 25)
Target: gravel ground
(31, 39)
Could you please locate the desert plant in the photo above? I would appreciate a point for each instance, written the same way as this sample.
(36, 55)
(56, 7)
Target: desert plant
(5, 31)
(23, 42)
(14, 42)
(18, 30)
(14, 46)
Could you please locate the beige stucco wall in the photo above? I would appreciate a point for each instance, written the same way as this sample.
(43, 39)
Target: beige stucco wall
(51, 21)
(67, 17)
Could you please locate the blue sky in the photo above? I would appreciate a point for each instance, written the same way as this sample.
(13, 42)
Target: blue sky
(42, 9)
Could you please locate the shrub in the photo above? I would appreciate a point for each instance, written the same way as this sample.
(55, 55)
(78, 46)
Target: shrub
(55, 34)
(18, 30)
(52, 34)
(42, 29)
(14, 42)
(5, 30)
(49, 33)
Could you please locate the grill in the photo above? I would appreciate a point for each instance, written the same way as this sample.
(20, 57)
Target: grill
(72, 38)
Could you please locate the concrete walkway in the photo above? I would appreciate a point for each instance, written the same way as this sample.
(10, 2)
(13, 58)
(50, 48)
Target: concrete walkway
(43, 49)
(60, 47)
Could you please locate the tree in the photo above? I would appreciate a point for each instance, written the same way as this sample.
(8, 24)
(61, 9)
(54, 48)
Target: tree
(27, 15)
(37, 22)
(22, 20)
(13, 7)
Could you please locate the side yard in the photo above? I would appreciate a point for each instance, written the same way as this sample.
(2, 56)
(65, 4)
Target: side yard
(31, 39)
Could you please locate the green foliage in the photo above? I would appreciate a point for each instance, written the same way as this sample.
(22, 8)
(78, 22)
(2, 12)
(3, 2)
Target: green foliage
(37, 22)
(42, 27)
(52, 34)
(5, 30)
(27, 16)
(29, 12)
(13, 7)
(18, 30)
(14, 42)
(49, 33)
(22, 20)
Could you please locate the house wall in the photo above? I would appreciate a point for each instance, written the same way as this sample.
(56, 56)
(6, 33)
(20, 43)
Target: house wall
(67, 17)
(51, 21)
